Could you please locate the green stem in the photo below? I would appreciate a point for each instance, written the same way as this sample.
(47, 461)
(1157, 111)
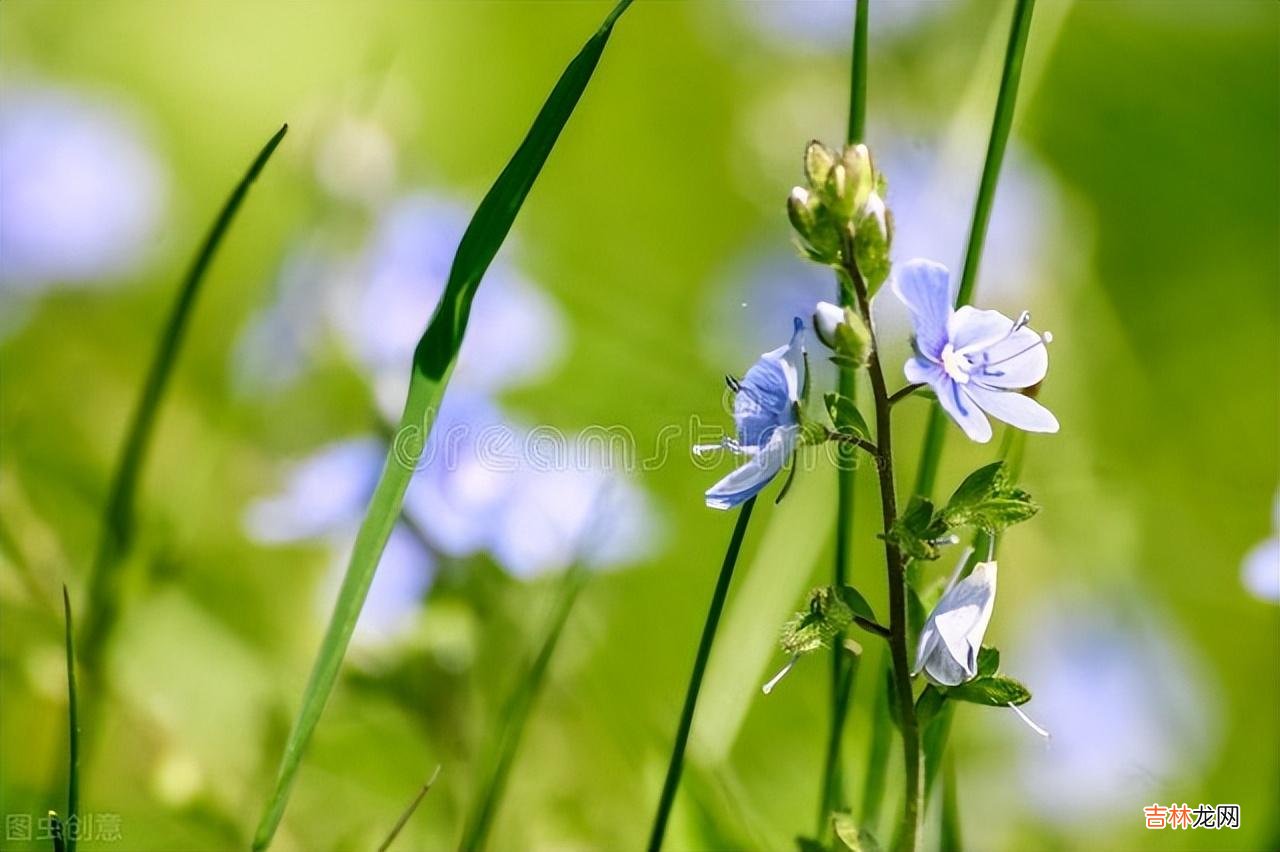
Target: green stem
(514, 716)
(950, 840)
(935, 434)
(843, 668)
(695, 680)
(118, 516)
(73, 723)
(896, 571)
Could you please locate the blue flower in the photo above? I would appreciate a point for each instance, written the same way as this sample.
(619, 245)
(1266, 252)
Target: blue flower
(766, 412)
(974, 360)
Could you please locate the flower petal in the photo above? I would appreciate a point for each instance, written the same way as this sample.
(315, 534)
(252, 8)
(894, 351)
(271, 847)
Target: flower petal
(963, 410)
(746, 481)
(971, 330)
(769, 390)
(921, 371)
(925, 288)
(961, 620)
(1019, 361)
(1016, 409)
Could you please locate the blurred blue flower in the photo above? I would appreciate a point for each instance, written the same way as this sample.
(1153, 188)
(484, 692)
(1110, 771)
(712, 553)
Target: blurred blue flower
(516, 334)
(765, 411)
(975, 361)
(1128, 712)
(1260, 572)
(81, 191)
(323, 493)
(826, 25)
(405, 574)
(951, 638)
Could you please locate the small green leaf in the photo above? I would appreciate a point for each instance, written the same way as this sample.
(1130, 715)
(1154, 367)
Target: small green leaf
(808, 844)
(918, 529)
(988, 662)
(845, 415)
(856, 602)
(813, 628)
(853, 837)
(989, 501)
(996, 691)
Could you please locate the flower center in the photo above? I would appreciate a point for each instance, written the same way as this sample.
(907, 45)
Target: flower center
(956, 364)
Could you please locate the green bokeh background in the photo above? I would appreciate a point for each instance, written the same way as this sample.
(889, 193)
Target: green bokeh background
(1160, 123)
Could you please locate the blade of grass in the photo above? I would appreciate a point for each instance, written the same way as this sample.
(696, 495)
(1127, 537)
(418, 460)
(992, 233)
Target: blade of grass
(515, 714)
(695, 679)
(118, 516)
(408, 812)
(844, 669)
(1001, 122)
(433, 361)
(73, 724)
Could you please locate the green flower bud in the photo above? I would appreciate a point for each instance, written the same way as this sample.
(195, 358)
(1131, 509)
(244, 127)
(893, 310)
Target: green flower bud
(873, 234)
(818, 159)
(856, 160)
(843, 332)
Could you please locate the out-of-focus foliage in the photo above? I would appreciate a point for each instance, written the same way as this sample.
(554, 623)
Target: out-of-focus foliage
(1136, 218)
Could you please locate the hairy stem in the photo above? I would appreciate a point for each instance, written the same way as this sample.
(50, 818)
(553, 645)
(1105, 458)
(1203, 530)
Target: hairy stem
(695, 680)
(896, 569)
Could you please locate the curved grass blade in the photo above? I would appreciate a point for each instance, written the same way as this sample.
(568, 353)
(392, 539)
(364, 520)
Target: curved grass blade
(433, 361)
(935, 433)
(118, 516)
(515, 713)
(73, 724)
(408, 812)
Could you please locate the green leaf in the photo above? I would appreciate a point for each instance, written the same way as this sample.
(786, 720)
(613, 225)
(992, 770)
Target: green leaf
(918, 528)
(73, 725)
(433, 362)
(989, 501)
(116, 538)
(995, 691)
(856, 602)
(812, 433)
(808, 844)
(845, 415)
(853, 837)
(808, 630)
(988, 662)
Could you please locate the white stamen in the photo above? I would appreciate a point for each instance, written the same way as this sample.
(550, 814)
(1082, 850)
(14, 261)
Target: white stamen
(1030, 724)
(955, 575)
(1041, 340)
(991, 548)
(1023, 319)
(773, 681)
(956, 364)
(946, 539)
(1048, 337)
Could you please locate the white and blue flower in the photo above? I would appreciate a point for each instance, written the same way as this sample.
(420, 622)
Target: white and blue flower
(952, 637)
(766, 410)
(975, 361)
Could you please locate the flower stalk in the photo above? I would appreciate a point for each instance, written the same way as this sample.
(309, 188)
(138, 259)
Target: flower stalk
(896, 567)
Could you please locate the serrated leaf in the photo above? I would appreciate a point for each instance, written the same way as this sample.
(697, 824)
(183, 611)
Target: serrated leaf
(918, 528)
(813, 628)
(995, 691)
(845, 415)
(989, 501)
(988, 662)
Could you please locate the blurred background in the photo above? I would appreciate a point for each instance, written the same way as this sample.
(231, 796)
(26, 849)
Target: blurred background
(1137, 218)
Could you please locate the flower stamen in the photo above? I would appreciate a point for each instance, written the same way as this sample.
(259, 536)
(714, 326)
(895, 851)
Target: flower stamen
(773, 681)
(1030, 724)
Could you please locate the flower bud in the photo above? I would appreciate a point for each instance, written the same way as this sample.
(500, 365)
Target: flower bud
(856, 160)
(873, 233)
(818, 159)
(826, 317)
(843, 332)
